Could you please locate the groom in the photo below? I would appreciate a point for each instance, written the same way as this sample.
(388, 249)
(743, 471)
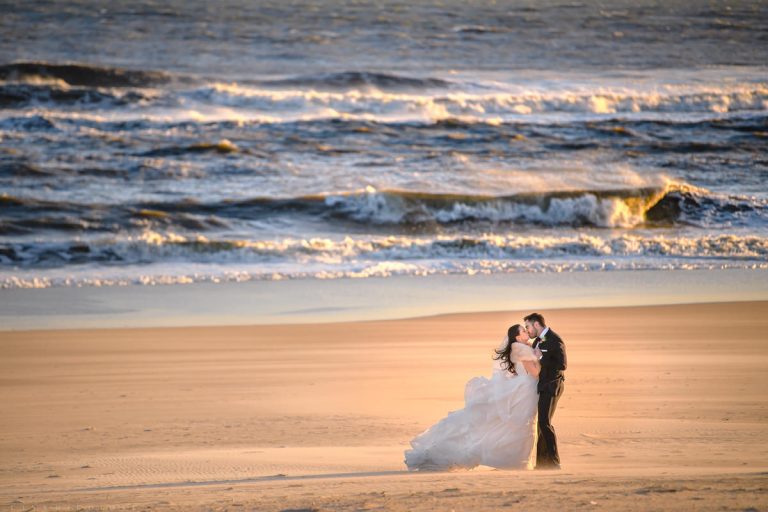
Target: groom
(551, 352)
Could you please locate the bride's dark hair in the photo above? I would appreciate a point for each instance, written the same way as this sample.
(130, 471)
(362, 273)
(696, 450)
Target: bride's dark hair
(505, 355)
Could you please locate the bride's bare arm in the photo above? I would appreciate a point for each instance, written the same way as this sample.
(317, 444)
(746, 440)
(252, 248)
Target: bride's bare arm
(532, 367)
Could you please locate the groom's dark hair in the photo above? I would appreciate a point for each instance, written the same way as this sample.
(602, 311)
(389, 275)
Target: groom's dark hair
(535, 317)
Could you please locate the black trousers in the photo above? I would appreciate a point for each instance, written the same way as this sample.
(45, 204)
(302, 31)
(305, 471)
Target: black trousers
(546, 446)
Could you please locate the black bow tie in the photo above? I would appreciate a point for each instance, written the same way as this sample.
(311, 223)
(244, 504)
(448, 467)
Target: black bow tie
(537, 340)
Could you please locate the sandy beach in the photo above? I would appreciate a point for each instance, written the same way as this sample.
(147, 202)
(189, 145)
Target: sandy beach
(665, 408)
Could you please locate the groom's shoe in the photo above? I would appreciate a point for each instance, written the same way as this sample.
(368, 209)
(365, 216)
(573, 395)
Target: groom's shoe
(547, 467)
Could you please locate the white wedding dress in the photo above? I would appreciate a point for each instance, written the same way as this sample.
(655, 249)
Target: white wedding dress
(496, 427)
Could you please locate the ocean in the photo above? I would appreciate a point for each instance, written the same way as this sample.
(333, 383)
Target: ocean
(154, 142)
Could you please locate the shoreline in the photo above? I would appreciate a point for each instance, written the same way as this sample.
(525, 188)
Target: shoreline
(451, 315)
(313, 301)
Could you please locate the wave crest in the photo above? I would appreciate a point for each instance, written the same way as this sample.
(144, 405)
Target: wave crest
(357, 79)
(21, 95)
(600, 208)
(495, 107)
(81, 75)
(669, 204)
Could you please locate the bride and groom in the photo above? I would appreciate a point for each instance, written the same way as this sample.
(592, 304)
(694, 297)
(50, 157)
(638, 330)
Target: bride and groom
(507, 420)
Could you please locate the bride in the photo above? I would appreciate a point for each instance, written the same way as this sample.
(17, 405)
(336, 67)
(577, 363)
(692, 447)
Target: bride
(497, 426)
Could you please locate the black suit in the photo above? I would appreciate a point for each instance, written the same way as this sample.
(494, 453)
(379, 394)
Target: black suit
(553, 363)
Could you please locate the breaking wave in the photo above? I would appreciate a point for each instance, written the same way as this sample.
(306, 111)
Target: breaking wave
(667, 205)
(22, 95)
(362, 95)
(358, 79)
(81, 75)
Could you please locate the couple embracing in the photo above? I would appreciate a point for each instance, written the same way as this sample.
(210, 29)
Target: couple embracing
(506, 422)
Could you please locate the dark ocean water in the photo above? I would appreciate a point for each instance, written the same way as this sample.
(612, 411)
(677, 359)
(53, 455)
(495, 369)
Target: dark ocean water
(156, 142)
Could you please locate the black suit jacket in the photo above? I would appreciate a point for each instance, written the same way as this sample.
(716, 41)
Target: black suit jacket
(553, 363)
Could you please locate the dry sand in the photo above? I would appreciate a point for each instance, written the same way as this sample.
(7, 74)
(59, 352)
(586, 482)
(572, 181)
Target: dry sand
(665, 408)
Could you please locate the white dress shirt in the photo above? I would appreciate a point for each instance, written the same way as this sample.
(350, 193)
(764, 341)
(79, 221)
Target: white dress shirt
(541, 336)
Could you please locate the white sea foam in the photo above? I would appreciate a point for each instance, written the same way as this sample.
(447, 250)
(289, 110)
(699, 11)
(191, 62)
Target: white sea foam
(153, 275)
(521, 100)
(368, 104)
(492, 110)
(156, 258)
